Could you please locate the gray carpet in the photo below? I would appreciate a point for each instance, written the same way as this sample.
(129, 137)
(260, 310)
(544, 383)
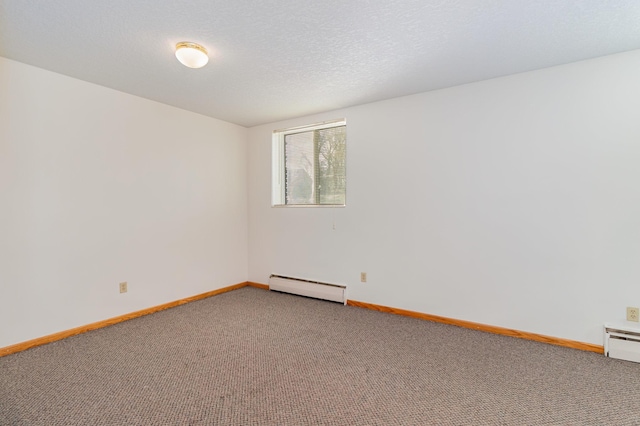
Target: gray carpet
(252, 357)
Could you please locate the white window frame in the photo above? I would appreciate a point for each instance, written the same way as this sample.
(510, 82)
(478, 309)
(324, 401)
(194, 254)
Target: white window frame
(278, 186)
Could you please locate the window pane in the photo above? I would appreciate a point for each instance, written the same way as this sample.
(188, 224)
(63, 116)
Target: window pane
(315, 166)
(309, 165)
(331, 163)
(299, 168)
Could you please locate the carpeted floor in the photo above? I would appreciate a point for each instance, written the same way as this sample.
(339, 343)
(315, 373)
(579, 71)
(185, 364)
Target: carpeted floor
(252, 357)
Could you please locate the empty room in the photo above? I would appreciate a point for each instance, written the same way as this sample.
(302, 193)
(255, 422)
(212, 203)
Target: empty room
(410, 212)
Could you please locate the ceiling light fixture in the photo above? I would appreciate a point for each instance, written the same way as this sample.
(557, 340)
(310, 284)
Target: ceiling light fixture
(191, 55)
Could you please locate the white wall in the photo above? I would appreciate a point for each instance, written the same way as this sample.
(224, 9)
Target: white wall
(98, 187)
(513, 202)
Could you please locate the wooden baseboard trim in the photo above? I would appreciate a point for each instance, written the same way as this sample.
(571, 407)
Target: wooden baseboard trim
(590, 347)
(18, 347)
(258, 285)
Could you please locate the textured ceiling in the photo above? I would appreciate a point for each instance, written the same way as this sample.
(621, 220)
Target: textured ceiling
(277, 59)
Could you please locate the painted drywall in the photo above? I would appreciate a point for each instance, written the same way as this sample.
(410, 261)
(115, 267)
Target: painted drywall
(99, 187)
(512, 202)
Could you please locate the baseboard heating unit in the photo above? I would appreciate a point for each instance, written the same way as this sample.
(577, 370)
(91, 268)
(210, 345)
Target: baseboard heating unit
(622, 341)
(309, 288)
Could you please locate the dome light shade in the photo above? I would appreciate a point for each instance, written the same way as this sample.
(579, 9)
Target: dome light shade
(191, 55)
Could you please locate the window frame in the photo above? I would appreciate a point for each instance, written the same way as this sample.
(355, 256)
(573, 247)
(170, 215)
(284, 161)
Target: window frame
(278, 166)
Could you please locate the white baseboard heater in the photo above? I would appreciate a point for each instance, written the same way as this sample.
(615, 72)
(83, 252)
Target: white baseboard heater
(309, 288)
(622, 341)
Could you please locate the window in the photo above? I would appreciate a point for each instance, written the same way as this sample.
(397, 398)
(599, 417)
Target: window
(309, 165)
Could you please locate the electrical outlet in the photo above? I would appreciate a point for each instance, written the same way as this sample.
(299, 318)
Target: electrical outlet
(633, 314)
(123, 287)
(363, 277)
